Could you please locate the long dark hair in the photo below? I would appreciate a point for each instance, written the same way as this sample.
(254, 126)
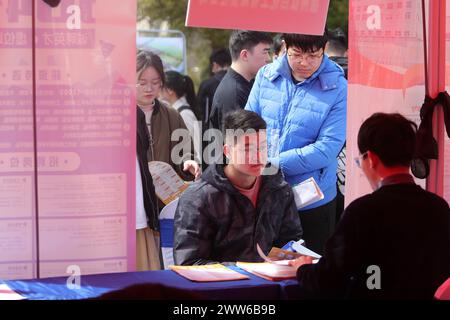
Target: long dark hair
(181, 85)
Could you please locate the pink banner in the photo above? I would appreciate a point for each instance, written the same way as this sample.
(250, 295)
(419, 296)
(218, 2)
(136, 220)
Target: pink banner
(17, 192)
(85, 115)
(291, 16)
(386, 72)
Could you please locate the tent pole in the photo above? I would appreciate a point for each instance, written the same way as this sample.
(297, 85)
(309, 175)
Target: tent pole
(35, 148)
(436, 84)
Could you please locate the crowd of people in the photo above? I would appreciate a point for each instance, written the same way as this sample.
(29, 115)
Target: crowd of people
(282, 120)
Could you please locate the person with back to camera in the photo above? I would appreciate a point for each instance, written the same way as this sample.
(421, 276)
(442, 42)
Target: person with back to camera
(399, 235)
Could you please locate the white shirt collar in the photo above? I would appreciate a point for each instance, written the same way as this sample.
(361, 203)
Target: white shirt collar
(179, 103)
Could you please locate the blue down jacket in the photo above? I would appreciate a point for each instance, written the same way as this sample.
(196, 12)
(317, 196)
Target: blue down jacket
(306, 122)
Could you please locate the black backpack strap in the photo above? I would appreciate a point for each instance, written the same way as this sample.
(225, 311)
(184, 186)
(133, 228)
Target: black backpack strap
(182, 108)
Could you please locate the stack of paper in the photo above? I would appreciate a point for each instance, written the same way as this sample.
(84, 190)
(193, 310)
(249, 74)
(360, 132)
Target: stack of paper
(268, 270)
(276, 266)
(208, 273)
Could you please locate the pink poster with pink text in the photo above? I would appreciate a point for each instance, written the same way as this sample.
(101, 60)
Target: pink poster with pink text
(85, 138)
(386, 71)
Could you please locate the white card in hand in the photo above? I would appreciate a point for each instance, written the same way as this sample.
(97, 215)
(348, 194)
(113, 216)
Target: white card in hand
(306, 193)
(304, 250)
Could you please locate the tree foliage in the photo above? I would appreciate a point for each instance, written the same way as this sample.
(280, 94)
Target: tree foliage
(338, 15)
(174, 11)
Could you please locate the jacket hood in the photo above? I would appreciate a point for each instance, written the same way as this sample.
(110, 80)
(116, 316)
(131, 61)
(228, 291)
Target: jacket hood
(329, 72)
(215, 176)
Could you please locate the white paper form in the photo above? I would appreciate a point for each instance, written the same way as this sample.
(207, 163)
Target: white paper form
(168, 185)
(306, 193)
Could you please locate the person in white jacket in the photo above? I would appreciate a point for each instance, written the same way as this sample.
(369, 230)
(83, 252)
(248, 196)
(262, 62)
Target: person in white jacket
(179, 92)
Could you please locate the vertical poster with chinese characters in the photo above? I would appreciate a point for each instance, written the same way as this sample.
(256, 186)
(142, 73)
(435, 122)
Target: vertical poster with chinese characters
(17, 192)
(386, 71)
(85, 137)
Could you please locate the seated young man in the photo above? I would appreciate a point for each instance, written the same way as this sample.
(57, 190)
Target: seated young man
(233, 207)
(393, 243)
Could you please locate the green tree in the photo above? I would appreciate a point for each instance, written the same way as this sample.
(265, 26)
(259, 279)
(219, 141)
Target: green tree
(338, 15)
(174, 11)
(200, 41)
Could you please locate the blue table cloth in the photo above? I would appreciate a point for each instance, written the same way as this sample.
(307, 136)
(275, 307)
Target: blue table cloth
(92, 286)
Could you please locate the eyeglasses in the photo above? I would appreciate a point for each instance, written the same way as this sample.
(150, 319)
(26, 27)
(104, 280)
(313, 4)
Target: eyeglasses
(308, 57)
(153, 84)
(358, 160)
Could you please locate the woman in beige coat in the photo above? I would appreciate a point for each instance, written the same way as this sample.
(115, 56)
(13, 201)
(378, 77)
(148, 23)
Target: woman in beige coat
(161, 122)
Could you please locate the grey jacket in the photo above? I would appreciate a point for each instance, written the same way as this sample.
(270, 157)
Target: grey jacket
(214, 222)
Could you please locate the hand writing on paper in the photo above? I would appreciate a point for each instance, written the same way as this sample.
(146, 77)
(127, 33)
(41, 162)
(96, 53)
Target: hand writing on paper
(297, 263)
(193, 168)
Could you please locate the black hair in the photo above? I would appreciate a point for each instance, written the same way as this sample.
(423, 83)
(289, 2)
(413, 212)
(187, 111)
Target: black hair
(389, 135)
(337, 41)
(221, 56)
(244, 39)
(147, 59)
(243, 120)
(308, 43)
(182, 86)
(277, 44)
(339, 35)
(337, 46)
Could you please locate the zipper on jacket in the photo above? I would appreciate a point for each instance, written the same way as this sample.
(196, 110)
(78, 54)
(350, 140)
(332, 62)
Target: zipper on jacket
(155, 204)
(257, 217)
(287, 111)
(150, 140)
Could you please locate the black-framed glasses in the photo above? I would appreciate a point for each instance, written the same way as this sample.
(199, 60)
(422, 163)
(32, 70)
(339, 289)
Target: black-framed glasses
(308, 57)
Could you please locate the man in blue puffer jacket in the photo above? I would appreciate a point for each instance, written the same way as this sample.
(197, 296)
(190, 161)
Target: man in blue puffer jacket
(302, 96)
